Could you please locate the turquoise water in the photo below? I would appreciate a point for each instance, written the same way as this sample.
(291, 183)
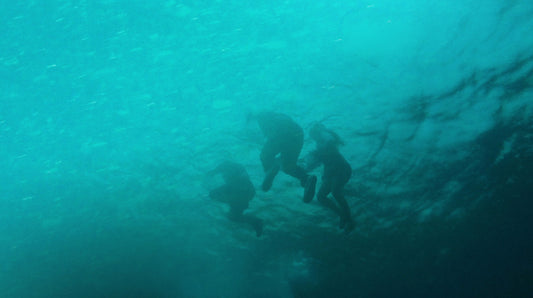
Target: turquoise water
(112, 112)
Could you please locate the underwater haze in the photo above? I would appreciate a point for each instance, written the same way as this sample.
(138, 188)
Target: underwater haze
(113, 112)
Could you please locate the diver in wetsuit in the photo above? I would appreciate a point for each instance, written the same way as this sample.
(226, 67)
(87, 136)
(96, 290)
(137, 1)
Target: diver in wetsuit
(237, 191)
(285, 139)
(337, 172)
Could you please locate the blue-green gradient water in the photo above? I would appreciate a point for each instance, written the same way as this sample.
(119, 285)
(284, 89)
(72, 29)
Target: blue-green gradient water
(113, 111)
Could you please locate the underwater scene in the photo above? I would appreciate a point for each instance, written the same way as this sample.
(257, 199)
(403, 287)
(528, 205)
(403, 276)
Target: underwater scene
(281, 148)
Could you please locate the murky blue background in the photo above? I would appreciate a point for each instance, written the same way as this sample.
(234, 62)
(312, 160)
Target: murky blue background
(111, 113)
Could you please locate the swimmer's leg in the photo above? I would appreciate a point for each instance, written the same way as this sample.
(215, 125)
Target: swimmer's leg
(346, 222)
(323, 199)
(255, 222)
(271, 164)
(238, 216)
(289, 158)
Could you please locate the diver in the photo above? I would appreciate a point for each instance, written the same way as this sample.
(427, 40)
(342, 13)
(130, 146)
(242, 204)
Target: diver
(285, 139)
(336, 173)
(237, 191)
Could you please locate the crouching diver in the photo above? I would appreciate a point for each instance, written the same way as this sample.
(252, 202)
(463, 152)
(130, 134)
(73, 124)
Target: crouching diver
(237, 192)
(285, 139)
(336, 173)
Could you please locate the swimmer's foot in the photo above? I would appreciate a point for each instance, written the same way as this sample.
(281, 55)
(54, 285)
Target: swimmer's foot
(342, 222)
(309, 191)
(346, 223)
(269, 178)
(349, 226)
(258, 228)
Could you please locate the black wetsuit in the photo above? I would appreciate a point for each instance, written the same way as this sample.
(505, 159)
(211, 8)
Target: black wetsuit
(286, 138)
(237, 191)
(337, 172)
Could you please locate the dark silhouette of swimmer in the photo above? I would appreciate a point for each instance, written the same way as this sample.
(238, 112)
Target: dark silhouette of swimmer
(237, 191)
(337, 171)
(284, 143)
